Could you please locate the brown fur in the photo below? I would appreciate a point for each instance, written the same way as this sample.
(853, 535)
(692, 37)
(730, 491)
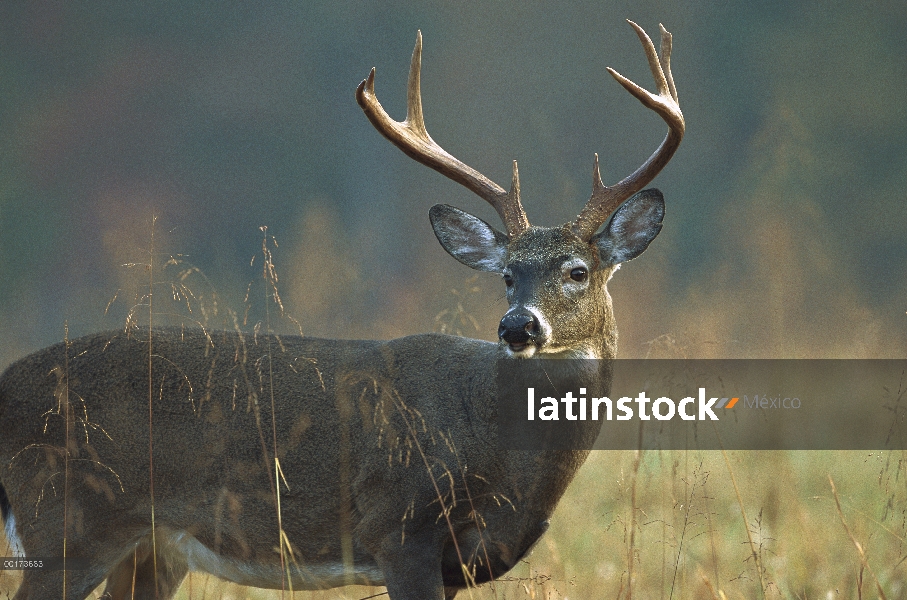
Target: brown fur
(393, 473)
(359, 491)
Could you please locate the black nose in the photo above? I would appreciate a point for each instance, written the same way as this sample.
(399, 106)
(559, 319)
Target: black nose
(518, 327)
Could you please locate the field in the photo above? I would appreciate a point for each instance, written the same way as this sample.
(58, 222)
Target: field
(154, 153)
(655, 524)
(788, 534)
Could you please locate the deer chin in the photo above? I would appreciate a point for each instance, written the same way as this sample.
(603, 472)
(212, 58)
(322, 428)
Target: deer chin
(568, 352)
(521, 349)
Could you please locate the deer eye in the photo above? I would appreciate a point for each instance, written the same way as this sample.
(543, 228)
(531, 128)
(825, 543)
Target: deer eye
(579, 274)
(508, 279)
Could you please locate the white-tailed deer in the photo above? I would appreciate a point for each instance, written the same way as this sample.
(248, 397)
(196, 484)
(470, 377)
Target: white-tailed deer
(302, 463)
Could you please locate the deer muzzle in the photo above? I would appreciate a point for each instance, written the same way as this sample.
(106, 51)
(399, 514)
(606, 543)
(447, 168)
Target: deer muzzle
(519, 328)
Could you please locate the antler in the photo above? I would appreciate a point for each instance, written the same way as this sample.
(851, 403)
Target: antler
(411, 137)
(605, 199)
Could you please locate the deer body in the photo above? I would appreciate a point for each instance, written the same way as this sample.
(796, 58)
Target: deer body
(357, 498)
(302, 463)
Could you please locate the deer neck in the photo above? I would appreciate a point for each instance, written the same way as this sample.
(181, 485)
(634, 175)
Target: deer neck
(603, 341)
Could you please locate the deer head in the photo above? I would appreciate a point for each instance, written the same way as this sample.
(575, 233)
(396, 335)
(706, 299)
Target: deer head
(555, 276)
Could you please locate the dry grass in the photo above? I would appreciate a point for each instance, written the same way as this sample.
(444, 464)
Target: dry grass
(660, 525)
(812, 541)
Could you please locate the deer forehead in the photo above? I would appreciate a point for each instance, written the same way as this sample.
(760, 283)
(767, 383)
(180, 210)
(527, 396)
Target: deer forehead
(550, 248)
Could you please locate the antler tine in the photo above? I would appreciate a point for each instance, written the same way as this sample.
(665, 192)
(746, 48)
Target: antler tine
(604, 198)
(413, 139)
(665, 59)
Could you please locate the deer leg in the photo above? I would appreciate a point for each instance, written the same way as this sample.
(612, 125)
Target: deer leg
(73, 584)
(412, 571)
(136, 578)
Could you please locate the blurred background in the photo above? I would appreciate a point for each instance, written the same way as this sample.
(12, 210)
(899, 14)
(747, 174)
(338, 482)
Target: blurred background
(171, 132)
(168, 133)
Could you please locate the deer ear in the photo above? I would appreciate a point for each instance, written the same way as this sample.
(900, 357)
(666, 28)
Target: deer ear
(469, 239)
(632, 226)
